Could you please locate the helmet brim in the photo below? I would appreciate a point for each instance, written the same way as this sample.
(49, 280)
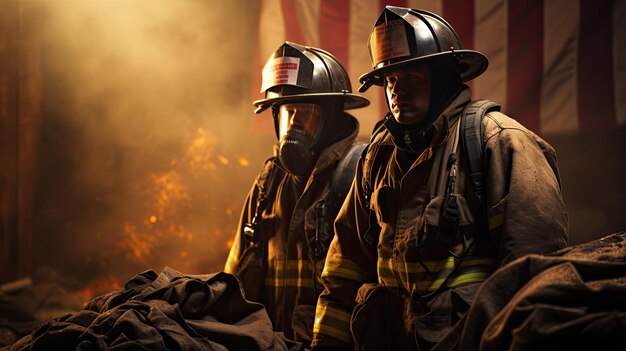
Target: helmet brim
(470, 65)
(350, 101)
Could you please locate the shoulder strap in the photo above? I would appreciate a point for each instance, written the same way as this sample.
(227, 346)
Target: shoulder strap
(338, 189)
(265, 178)
(471, 142)
(344, 174)
(370, 160)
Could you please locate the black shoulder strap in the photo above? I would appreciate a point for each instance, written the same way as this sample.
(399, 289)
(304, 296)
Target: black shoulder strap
(471, 142)
(370, 160)
(343, 176)
(265, 178)
(338, 189)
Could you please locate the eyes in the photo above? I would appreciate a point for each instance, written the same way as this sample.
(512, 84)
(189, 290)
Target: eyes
(410, 78)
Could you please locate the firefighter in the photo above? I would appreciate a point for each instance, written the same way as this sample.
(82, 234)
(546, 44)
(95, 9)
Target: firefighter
(286, 223)
(438, 203)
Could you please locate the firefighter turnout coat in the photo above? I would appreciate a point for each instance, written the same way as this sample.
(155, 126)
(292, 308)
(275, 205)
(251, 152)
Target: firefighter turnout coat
(388, 276)
(282, 269)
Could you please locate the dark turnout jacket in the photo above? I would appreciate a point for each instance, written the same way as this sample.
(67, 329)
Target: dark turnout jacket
(388, 277)
(283, 272)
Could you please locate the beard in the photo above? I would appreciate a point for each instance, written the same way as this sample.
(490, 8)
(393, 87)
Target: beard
(295, 153)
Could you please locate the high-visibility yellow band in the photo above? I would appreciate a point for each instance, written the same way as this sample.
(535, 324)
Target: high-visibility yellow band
(333, 322)
(289, 273)
(289, 282)
(496, 221)
(299, 265)
(433, 266)
(472, 269)
(456, 281)
(342, 268)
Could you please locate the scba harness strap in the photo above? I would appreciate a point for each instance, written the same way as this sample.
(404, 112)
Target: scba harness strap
(339, 186)
(471, 143)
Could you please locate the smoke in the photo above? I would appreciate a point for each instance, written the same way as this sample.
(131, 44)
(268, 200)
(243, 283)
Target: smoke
(146, 151)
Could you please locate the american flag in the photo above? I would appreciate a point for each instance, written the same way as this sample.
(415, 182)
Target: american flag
(557, 66)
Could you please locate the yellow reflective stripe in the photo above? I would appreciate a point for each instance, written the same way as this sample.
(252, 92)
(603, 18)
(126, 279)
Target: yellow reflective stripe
(458, 280)
(385, 272)
(333, 322)
(496, 221)
(342, 268)
(468, 278)
(293, 282)
(289, 273)
(299, 265)
(472, 269)
(386, 264)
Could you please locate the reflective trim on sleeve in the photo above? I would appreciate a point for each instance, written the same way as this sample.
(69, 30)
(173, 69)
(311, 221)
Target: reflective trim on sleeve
(333, 322)
(496, 221)
(342, 268)
(472, 269)
(289, 273)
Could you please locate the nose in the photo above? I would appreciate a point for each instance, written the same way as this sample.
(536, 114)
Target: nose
(395, 85)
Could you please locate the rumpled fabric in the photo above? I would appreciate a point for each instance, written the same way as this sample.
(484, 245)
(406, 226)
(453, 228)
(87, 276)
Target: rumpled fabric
(166, 311)
(573, 299)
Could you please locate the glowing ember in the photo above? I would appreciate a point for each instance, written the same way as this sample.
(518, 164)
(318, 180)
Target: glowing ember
(97, 288)
(197, 185)
(223, 160)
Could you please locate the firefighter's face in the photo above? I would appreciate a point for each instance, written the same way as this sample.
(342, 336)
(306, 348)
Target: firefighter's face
(304, 116)
(408, 94)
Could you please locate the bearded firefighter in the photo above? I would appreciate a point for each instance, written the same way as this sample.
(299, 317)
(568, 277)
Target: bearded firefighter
(286, 223)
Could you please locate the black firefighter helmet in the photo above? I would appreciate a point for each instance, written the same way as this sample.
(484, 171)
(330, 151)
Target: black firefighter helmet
(403, 36)
(296, 73)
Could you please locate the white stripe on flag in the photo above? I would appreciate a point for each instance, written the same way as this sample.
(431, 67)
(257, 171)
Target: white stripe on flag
(559, 112)
(363, 14)
(619, 59)
(308, 12)
(490, 38)
(428, 5)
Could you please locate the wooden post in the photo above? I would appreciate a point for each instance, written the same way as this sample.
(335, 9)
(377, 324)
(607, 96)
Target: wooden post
(8, 140)
(31, 14)
(20, 121)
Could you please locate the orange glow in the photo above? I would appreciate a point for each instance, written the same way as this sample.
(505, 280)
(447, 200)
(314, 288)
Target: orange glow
(153, 219)
(223, 160)
(243, 162)
(229, 243)
(97, 288)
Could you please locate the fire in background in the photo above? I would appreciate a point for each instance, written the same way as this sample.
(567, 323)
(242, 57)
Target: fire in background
(146, 148)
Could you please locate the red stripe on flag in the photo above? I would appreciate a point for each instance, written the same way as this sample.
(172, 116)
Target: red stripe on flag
(525, 61)
(596, 100)
(293, 32)
(334, 29)
(460, 14)
(398, 3)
